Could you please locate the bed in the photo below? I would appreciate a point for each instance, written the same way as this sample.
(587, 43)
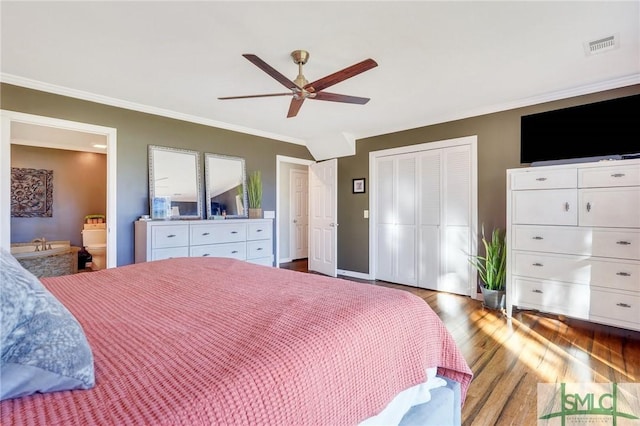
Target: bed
(203, 341)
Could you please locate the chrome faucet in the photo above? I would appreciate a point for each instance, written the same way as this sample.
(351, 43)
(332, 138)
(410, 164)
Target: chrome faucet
(42, 242)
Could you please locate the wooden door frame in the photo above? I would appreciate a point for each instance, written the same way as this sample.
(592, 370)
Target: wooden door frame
(291, 226)
(110, 134)
(280, 159)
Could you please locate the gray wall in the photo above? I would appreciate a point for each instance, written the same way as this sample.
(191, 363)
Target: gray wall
(498, 150)
(137, 130)
(79, 189)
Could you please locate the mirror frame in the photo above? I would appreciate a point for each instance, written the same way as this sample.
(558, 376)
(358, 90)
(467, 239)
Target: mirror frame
(197, 179)
(207, 183)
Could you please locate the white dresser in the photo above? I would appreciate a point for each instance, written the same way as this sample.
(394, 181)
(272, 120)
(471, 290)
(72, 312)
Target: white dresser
(243, 239)
(573, 241)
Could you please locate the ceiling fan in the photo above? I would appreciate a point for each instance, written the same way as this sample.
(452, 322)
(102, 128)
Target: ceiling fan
(301, 89)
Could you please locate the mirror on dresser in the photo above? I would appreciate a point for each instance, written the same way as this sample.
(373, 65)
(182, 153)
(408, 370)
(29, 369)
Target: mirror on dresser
(175, 184)
(225, 186)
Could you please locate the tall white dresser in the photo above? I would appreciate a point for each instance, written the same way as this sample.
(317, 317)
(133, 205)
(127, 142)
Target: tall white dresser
(243, 239)
(573, 241)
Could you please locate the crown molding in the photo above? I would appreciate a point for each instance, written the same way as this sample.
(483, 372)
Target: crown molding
(87, 96)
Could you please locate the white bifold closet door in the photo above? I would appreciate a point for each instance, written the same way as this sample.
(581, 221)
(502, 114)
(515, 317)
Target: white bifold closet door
(423, 219)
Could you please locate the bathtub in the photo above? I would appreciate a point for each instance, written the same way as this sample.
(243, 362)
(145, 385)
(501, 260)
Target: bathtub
(60, 259)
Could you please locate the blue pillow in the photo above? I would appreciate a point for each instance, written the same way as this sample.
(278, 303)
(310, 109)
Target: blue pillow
(44, 348)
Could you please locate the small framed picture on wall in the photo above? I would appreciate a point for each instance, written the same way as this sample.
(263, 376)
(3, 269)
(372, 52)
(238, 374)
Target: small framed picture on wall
(359, 186)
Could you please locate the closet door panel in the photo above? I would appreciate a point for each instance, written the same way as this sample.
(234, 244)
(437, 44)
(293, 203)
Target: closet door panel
(456, 188)
(386, 253)
(385, 189)
(405, 191)
(429, 261)
(407, 270)
(429, 194)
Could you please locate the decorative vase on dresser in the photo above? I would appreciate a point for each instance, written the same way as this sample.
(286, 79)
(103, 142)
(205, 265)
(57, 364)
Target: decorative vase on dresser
(573, 241)
(243, 239)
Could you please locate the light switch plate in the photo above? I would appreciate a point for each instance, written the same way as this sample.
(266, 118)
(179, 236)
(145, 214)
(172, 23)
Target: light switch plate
(366, 214)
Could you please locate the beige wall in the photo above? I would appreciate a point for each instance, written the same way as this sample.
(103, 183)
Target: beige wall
(79, 189)
(498, 150)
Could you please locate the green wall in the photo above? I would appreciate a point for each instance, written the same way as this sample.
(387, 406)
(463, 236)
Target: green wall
(498, 150)
(137, 130)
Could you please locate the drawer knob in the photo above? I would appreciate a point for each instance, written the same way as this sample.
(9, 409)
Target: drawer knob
(234, 232)
(624, 243)
(537, 264)
(537, 291)
(617, 175)
(623, 305)
(541, 179)
(538, 238)
(258, 230)
(205, 255)
(234, 252)
(171, 235)
(205, 233)
(566, 207)
(623, 274)
(588, 206)
(259, 248)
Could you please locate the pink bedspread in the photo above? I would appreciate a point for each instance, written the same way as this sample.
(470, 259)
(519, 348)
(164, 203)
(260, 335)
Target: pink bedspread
(204, 341)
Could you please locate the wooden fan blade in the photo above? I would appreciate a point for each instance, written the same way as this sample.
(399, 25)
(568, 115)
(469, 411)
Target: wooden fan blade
(341, 75)
(294, 107)
(334, 97)
(257, 96)
(270, 70)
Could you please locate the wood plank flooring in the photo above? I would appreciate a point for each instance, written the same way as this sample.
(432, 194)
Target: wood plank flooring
(510, 358)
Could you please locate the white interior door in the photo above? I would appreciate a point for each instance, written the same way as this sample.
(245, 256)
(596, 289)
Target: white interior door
(323, 217)
(299, 215)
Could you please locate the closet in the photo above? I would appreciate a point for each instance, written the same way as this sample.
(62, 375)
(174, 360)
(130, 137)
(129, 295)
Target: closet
(423, 214)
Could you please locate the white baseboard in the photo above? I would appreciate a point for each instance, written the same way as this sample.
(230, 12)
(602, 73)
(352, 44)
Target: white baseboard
(354, 274)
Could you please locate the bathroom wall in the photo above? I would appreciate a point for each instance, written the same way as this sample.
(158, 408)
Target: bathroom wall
(79, 189)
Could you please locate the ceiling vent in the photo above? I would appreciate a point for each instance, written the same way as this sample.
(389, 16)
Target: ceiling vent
(601, 45)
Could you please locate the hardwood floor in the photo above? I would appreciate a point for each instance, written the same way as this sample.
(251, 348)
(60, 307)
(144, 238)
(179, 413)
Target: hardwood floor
(510, 357)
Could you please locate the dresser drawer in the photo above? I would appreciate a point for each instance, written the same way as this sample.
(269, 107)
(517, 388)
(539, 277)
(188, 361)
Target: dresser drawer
(554, 239)
(259, 231)
(168, 253)
(264, 261)
(544, 179)
(616, 306)
(619, 275)
(551, 267)
(601, 242)
(548, 207)
(169, 236)
(258, 248)
(218, 233)
(618, 175)
(559, 298)
(232, 250)
(623, 244)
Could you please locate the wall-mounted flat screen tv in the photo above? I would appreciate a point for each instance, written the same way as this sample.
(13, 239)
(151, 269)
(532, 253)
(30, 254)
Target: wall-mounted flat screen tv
(606, 128)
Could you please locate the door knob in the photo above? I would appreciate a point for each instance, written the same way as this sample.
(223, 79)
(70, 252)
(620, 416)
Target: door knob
(295, 220)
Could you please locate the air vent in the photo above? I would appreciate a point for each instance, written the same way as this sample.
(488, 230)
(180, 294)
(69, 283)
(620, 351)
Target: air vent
(603, 44)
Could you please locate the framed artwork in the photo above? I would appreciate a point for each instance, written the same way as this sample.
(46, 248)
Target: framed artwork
(31, 192)
(359, 186)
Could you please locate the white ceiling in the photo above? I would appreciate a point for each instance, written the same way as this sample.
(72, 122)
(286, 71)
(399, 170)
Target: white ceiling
(438, 61)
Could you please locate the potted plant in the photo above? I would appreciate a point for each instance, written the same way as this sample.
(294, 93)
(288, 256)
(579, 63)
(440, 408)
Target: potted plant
(254, 193)
(492, 269)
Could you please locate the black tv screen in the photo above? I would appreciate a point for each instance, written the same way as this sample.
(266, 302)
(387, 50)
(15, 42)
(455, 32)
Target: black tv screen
(598, 129)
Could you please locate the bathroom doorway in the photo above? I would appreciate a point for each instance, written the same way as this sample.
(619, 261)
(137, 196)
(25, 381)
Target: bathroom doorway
(46, 132)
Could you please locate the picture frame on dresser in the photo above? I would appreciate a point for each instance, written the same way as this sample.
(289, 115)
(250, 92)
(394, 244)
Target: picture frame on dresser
(573, 241)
